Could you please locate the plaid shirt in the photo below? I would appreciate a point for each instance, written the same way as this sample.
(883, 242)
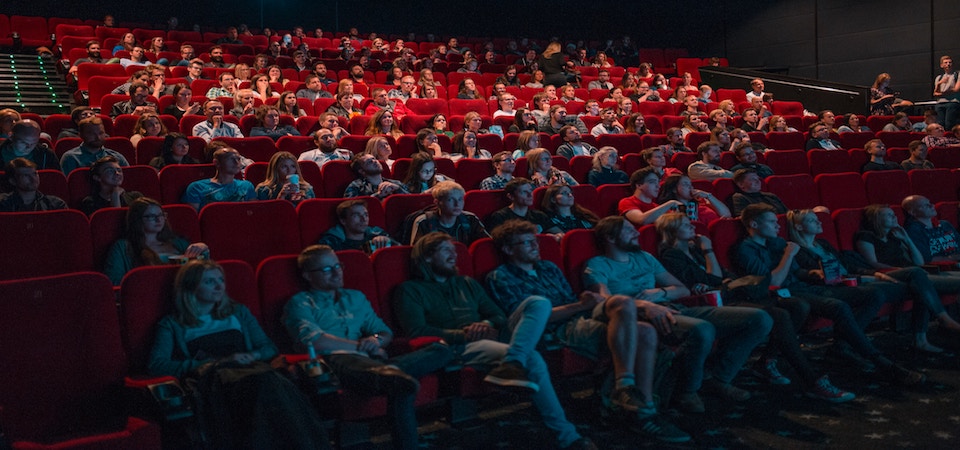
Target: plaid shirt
(509, 285)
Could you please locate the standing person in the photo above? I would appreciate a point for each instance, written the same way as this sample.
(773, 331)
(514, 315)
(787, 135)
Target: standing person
(341, 325)
(551, 62)
(478, 331)
(208, 337)
(946, 89)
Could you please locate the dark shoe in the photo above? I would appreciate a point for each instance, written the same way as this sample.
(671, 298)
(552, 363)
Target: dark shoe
(823, 390)
(843, 352)
(904, 376)
(627, 399)
(655, 426)
(583, 443)
(766, 369)
(690, 402)
(726, 391)
(389, 379)
(511, 374)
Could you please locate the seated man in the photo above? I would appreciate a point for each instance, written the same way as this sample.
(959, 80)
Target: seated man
(21, 174)
(708, 166)
(935, 137)
(602, 81)
(608, 123)
(820, 138)
(625, 269)
(331, 122)
(749, 183)
(763, 252)
(326, 150)
(747, 159)
(557, 119)
(217, 61)
(756, 90)
(370, 180)
(584, 322)
(520, 192)
(641, 208)
(224, 186)
(353, 232)
(674, 143)
(877, 151)
(93, 56)
(449, 216)
(320, 70)
(194, 71)
(440, 302)
(24, 142)
(93, 136)
(936, 239)
(504, 164)
(408, 89)
(137, 104)
(341, 325)
(380, 101)
(918, 157)
(228, 87)
(572, 144)
(215, 126)
(314, 89)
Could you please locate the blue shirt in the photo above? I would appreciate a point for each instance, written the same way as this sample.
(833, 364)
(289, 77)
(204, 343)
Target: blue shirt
(207, 191)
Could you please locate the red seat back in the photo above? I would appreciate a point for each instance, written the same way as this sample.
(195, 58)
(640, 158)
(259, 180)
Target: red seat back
(45, 243)
(250, 231)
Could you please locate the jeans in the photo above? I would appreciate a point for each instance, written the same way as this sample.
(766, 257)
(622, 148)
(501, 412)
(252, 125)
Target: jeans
(865, 301)
(947, 113)
(739, 330)
(352, 370)
(525, 328)
(840, 313)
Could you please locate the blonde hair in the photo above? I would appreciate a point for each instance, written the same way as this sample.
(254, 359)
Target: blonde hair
(273, 171)
(667, 226)
(185, 299)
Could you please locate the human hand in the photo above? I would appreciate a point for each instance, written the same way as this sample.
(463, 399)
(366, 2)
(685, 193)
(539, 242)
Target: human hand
(880, 276)
(590, 299)
(217, 120)
(240, 358)
(661, 317)
(195, 250)
(369, 344)
(479, 330)
(816, 274)
(379, 242)
(791, 249)
(703, 242)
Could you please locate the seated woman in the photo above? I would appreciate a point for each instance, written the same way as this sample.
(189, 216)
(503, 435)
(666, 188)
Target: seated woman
(422, 174)
(106, 178)
(615, 94)
(344, 107)
(700, 206)
(564, 213)
(148, 124)
(679, 93)
(428, 90)
(541, 171)
(636, 124)
(659, 82)
(182, 96)
(241, 72)
(439, 124)
(284, 180)
(379, 147)
(275, 75)
(382, 124)
(721, 136)
(693, 124)
(506, 102)
(883, 100)
(569, 94)
(720, 119)
(24, 142)
(472, 121)
(606, 168)
(148, 241)
(528, 139)
(220, 344)
(885, 245)
(524, 120)
(852, 125)
(469, 66)
(729, 108)
(655, 158)
(243, 103)
(690, 257)
(260, 84)
(900, 122)
(536, 80)
(779, 123)
(394, 76)
(427, 144)
(468, 90)
(268, 117)
(174, 151)
(465, 147)
(625, 107)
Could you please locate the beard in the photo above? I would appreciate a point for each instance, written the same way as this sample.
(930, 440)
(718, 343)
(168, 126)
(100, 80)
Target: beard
(216, 59)
(629, 246)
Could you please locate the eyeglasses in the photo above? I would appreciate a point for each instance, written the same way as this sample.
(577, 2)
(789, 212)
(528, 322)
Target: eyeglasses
(326, 269)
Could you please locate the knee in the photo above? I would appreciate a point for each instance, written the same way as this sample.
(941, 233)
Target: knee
(621, 306)
(702, 333)
(761, 321)
(536, 305)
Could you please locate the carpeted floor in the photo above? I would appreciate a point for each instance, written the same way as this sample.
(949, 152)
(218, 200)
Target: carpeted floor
(883, 416)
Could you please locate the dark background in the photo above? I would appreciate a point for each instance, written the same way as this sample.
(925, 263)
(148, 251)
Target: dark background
(847, 41)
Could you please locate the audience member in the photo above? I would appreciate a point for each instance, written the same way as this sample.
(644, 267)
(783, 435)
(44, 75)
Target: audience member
(326, 150)
(148, 124)
(370, 180)
(918, 157)
(227, 88)
(935, 137)
(520, 193)
(747, 159)
(353, 230)
(504, 165)
(21, 175)
(91, 150)
(284, 180)
(314, 89)
(877, 151)
(641, 207)
(173, 151)
(106, 187)
(137, 104)
(820, 138)
(268, 120)
(698, 205)
(215, 126)
(749, 183)
(448, 217)
(562, 210)
(224, 186)
(24, 142)
(572, 144)
(946, 89)
(606, 169)
(422, 174)
(541, 171)
(707, 167)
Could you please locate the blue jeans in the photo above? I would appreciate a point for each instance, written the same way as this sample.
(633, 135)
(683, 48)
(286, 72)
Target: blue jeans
(844, 324)
(738, 330)
(525, 328)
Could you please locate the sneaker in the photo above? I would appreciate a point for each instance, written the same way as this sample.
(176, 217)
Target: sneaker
(627, 399)
(583, 443)
(727, 391)
(767, 370)
(904, 376)
(511, 374)
(823, 390)
(655, 426)
(691, 403)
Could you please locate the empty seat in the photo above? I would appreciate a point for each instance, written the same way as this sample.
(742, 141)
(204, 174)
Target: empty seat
(841, 190)
(44, 243)
(888, 187)
(855, 140)
(830, 161)
(785, 140)
(795, 191)
(62, 335)
(250, 231)
(938, 185)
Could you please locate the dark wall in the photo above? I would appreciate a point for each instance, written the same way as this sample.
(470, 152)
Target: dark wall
(839, 40)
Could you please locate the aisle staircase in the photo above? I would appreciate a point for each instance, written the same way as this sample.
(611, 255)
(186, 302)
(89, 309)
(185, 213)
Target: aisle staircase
(30, 83)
